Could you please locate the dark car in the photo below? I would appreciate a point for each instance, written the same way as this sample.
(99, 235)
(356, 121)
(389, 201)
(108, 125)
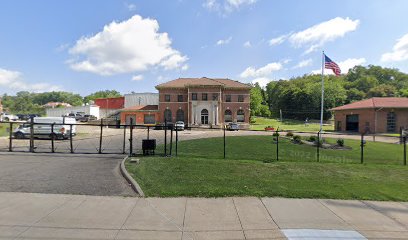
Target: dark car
(232, 127)
(23, 117)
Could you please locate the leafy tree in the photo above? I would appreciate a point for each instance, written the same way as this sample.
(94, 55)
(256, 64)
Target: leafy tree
(102, 94)
(383, 90)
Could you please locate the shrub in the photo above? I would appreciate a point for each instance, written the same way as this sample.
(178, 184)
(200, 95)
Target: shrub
(297, 139)
(276, 134)
(319, 142)
(340, 142)
(289, 134)
(312, 139)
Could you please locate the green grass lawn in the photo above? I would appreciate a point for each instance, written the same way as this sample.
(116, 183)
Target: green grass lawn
(200, 171)
(3, 129)
(294, 125)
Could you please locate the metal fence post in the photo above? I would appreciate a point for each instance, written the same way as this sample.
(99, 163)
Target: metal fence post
(405, 150)
(176, 142)
(11, 137)
(171, 140)
(165, 137)
(362, 149)
(70, 138)
(277, 145)
(148, 132)
(131, 138)
(100, 137)
(32, 134)
(124, 140)
(52, 137)
(224, 141)
(318, 146)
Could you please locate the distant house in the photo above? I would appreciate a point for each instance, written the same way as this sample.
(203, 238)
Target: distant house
(374, 115)
(204, 101)
(56, 104)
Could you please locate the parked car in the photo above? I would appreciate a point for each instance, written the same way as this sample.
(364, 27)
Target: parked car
(23, 117)
(87, 118)
(179, 126)
(161, 126)
(43, 128)
(77, 116)
(8, 117)
(232, 126)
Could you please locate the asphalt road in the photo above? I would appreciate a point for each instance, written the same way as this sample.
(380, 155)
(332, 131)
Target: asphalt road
(88, 174)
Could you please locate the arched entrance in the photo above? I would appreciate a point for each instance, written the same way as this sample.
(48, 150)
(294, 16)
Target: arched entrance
(240, 116)
(204, 116)
(227, 116)
(180, 115)
(167, 115)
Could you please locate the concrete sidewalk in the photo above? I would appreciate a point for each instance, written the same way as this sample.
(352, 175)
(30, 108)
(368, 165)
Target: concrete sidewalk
(49, 216)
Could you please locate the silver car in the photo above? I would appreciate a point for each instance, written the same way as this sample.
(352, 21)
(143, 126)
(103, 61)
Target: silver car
(179, 126)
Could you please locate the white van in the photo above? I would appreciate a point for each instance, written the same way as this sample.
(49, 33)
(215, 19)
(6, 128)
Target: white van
(43, 128)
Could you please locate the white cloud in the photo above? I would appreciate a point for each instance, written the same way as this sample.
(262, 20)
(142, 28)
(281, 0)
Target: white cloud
(130, 6)
(226, 6)
(304, 63)
(399, 51)
(224, 41)
(277, 40)
(263, 81)
(262, 71)
(137, 78)
(317, 35)
(122, 47)
(247, 44)
(13, 80)
(345, 66)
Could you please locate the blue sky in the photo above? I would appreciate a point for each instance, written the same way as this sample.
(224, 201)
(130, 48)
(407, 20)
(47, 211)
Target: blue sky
(86, 46)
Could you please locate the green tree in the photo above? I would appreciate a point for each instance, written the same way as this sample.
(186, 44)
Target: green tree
(102, 94)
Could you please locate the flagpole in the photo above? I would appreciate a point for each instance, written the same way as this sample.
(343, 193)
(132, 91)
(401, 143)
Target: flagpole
(322, 101)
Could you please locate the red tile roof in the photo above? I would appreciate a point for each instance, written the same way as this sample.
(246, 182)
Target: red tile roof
(141, 108)
(203, 82)
(376, 102)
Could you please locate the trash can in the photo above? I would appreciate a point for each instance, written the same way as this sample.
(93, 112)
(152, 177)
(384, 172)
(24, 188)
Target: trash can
(148, 146)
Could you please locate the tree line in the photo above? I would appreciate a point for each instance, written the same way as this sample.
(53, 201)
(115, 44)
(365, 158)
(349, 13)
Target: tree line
(33, 103)
(300, 97)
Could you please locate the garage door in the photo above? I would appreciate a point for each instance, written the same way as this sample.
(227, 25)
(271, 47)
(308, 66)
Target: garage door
(352, 122)
(149, 119)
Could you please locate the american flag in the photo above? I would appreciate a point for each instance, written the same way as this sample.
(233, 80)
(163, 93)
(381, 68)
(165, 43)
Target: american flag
(329, 64)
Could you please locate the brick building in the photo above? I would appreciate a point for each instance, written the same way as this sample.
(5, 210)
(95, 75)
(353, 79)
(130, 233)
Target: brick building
(374, 115)
(204, 101)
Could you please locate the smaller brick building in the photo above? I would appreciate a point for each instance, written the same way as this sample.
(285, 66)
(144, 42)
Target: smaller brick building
(374, 115)
(140, 115)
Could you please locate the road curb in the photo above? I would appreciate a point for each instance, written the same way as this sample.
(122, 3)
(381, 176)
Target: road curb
(135, 186)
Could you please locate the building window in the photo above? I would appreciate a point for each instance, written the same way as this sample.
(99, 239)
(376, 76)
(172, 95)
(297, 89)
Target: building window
(240, 98)
(194, 96)
(149, 119)
(167, 98)
(240, 116)
(391, 122)
(204, 96)
(228, 116)
(215, 96)
(180, 98)
(228, 98)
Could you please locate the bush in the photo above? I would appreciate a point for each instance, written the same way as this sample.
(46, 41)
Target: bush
(253, 120)
(289, 134)
(319, 142)
(340, 142)
(276, 134)
(312, 139)
(297, 139)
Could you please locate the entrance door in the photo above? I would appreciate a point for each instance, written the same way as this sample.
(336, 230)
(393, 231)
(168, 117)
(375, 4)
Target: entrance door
(204, 116)
(352, 122)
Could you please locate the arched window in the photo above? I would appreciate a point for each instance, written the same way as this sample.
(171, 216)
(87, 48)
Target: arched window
(167, 115)
(228, 116)
(180, 115)
(204, 116)
(240, 116)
